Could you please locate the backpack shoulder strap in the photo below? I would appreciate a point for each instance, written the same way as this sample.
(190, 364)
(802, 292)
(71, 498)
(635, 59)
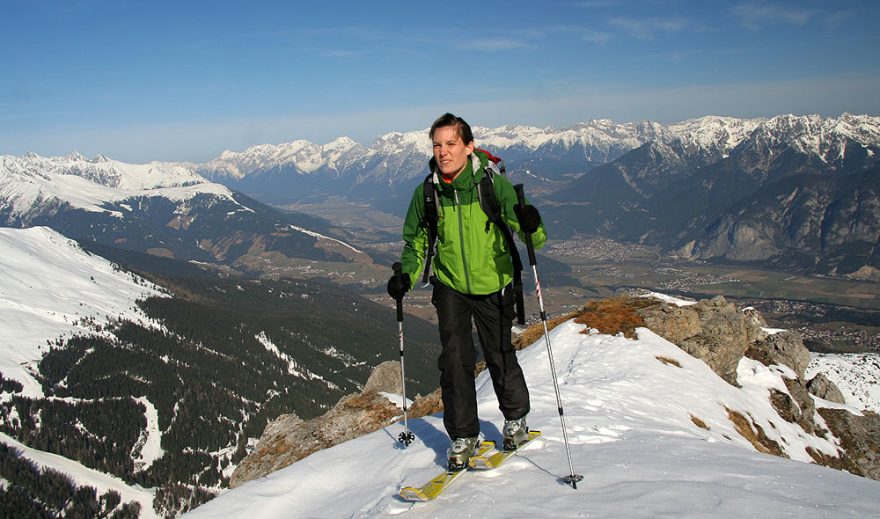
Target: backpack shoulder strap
(489, 204)
(429, 220)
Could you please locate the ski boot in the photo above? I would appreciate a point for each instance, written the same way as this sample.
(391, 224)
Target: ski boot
(460, 452)
(515, 432)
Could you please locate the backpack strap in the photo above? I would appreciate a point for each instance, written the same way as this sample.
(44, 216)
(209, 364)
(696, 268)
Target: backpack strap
(490, 206)
(430, 220)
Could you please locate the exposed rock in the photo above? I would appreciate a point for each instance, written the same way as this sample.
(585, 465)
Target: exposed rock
(673, 323)
(824, 388)
(859, 440)
(784, 348)
(289, 439)
(385, 378)
(427, 405)
(712, 330)
(755, 324)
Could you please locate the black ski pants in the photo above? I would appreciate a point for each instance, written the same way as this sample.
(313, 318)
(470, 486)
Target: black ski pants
(493, 315)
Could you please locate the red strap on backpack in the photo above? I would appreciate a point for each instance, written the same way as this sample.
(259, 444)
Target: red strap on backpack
(491, 157)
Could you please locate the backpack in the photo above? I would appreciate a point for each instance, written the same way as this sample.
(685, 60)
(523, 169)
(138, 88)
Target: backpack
(489, 205)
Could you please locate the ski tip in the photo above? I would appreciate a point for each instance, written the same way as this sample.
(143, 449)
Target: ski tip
(413, 494)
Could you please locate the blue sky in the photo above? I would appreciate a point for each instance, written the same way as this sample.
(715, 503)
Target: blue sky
(185, 80)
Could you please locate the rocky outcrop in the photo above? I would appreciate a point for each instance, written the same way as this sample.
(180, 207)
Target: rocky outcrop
(385, 378)
(716, 332)
(859, 440)
(825, 389)
(784, 348)
(712, 330)
(288, 439)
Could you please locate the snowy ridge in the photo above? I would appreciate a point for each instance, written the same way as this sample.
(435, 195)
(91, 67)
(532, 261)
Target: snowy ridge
(723, 133)
(322, 237)
(32, 180)
(50, 287)
(822, 137)
(649, 430)
(305, 156)
(814, 134)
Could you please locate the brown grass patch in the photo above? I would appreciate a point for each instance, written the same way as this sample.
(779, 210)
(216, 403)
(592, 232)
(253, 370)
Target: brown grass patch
(699, 423)
(668, 361)
(754, 434)
(535, 331)
(614, 315)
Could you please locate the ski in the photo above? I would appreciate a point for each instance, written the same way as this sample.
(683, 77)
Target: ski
(487, 462)
(438, 484)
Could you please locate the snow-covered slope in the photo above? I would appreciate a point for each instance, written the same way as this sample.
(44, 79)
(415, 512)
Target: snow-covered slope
(50, 287)
(30, 181)
(632, 409)
(857, 375)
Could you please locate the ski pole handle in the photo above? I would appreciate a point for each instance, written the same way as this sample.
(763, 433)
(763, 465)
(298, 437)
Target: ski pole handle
(398, 273)
(521, 201)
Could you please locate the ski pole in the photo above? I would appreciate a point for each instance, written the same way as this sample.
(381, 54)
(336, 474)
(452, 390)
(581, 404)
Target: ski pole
(406, 437)
(572, 478)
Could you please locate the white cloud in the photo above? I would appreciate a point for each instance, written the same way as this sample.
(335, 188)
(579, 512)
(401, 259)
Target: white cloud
(754, 15)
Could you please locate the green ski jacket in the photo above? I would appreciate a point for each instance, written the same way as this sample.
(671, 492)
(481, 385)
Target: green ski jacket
(472, 256)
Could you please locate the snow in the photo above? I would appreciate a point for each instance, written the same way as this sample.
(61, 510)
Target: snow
(669, 299)
(48, 287)
(86, 476)
(850, 373)
(322, 237)
(149, 446)
(631, 416)
(90, 184)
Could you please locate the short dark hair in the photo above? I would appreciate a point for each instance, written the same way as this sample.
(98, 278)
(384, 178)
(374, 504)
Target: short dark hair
(461, 127)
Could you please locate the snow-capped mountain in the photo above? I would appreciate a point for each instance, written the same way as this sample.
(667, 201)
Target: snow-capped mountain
(28, 181)
(158, 208)
(777, 190)
(651, 430)
(790, 192)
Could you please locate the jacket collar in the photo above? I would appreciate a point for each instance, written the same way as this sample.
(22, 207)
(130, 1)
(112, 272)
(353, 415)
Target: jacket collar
(471, 176)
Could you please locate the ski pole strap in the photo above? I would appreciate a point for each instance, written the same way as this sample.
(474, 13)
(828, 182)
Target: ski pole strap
(521, 200)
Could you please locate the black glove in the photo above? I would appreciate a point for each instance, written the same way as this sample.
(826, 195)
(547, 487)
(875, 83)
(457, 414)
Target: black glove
(529, 218)
(398, 285)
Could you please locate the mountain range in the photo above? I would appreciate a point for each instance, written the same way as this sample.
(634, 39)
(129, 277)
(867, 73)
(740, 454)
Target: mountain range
(165, 210)
(790, 192)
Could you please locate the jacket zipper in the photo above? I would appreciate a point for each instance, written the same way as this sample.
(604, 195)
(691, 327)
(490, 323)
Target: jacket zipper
(464, 265)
